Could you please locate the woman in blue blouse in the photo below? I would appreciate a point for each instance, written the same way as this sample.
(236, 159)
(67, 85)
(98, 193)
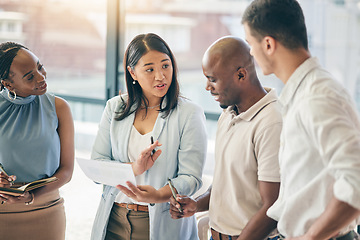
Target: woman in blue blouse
(152, 107)
(36, 141)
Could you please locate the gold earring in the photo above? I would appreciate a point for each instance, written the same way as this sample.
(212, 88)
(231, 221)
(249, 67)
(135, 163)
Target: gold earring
(10, 97)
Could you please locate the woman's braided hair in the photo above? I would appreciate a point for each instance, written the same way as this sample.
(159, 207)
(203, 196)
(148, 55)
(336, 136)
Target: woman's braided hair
(8, 51)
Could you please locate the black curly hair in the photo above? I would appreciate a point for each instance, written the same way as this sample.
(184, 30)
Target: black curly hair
(8, 51)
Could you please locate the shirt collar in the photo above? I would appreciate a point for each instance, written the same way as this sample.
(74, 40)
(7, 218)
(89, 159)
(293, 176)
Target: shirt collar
(249, 114)
(296, 79)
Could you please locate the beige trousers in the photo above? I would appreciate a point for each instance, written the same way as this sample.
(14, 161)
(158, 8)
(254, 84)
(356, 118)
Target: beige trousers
(127, 225)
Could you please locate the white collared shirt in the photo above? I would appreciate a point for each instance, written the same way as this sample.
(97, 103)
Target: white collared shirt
(319, 149)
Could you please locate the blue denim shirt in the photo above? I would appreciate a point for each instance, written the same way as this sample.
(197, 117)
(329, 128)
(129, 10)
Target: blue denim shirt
(183, 137)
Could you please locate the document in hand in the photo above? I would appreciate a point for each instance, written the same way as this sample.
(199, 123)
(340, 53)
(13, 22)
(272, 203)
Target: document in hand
(110, 173)
(17, 190)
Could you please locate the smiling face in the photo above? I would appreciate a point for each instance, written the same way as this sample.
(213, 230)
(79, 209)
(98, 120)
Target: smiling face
(27, 75)
(221, 80)
(154, 73)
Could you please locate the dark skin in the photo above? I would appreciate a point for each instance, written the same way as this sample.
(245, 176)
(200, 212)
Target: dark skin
(28, 77)
(232, 80)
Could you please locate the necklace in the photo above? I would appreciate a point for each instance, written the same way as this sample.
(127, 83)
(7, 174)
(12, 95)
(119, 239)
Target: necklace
(143, 106)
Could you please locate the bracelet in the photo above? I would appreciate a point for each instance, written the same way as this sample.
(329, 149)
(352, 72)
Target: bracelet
(32, 199)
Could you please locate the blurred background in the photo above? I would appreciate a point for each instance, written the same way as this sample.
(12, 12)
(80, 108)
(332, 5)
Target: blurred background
(81, 44)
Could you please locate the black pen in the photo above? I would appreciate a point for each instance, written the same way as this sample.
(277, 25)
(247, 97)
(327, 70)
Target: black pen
(152, 142)
(3, 170)
(174, 194)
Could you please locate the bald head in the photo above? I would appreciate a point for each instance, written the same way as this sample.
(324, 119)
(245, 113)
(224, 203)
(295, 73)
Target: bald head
(229, 50)
(230, 72)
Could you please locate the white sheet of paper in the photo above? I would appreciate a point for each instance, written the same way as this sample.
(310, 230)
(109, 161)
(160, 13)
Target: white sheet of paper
(110, 173)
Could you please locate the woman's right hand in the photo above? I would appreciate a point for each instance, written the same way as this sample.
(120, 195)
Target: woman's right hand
(8, 199)
(5, 180)
(146, 159)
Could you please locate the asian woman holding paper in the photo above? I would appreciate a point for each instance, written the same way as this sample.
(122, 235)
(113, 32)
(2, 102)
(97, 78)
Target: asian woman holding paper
(154, 108)
(36, 142)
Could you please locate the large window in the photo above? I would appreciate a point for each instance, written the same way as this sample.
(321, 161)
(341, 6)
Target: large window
(69, 37)
(82, 42)
(191, 26)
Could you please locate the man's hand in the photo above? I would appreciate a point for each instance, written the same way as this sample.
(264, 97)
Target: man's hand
(188, 205)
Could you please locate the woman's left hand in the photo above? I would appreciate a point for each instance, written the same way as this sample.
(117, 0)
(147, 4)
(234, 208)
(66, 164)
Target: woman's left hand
(146, 159)
(141, 193)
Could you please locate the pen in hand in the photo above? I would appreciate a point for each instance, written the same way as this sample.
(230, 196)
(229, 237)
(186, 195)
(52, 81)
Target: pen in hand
(152, 142)
(3, 170)
(174, 194)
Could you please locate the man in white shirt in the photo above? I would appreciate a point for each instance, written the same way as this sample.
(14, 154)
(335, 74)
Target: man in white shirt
(246, 177)
(320, 142)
